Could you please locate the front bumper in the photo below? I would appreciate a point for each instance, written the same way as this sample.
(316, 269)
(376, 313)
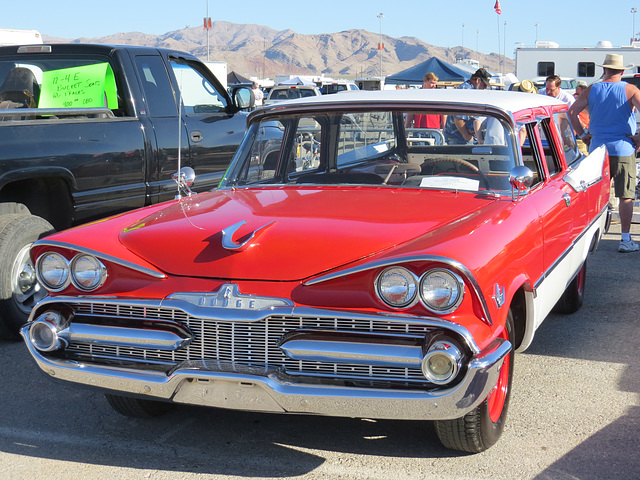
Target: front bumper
(206, 383)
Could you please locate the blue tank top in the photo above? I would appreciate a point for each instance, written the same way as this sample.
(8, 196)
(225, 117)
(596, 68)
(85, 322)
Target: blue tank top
(612, 118)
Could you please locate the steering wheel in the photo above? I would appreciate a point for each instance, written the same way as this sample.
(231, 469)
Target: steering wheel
(465, 163)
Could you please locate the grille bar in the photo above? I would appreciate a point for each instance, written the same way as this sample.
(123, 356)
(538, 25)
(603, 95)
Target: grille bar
(252, 344)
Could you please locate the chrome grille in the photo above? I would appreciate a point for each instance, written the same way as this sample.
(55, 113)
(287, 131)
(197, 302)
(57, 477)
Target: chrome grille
(253, 344)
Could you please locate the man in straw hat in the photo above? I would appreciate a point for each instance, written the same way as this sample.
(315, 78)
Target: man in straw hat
(611, 104)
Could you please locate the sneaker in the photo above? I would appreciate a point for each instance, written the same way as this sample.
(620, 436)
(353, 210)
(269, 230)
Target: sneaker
(629, 246)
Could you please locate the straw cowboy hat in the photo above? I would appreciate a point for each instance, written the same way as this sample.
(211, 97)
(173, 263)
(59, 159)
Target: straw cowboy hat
(614, 62)
(525, 86)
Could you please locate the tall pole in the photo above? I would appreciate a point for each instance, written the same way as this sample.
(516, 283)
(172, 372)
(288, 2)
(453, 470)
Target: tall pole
(634, 10)
(504, 48)
(207, 31)
(536, 25)
(463, 35)
(380, 46)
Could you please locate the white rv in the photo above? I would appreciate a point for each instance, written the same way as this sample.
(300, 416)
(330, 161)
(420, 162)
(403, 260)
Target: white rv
(10, 36)
(548, 58)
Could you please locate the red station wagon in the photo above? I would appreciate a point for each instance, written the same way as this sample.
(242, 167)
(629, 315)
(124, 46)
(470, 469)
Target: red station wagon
(347, 265)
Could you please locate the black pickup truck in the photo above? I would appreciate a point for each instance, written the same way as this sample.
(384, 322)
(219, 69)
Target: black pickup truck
(88, 131)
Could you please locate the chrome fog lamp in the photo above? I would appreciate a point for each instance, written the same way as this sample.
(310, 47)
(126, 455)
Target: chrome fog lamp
(441, 290)
(442, 362)
(87, 272)
(52, 270)
(44, 332)
(397, 287)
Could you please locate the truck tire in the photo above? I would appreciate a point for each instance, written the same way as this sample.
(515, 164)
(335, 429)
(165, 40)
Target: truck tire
(19, 289)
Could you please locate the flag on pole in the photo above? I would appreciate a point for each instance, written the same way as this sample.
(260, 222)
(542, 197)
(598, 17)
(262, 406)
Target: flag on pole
(497, 7)
(207, 23)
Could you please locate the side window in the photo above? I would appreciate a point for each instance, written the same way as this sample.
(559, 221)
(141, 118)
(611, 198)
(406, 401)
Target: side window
(264, 153)
(364, 135)
(546, 68)
(530, 154)
(566, 136)
(586, 69)
(197, 93)
(156, 86)
(549, 151)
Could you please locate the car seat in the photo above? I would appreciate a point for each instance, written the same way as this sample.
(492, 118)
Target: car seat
(20, 89)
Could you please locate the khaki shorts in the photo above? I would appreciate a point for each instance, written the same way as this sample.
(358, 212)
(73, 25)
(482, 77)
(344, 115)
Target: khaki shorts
(623, 173)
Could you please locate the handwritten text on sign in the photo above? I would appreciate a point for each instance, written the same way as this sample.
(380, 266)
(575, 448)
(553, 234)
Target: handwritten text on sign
(88, 86)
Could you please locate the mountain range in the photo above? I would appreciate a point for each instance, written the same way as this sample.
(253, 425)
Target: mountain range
(259, 51)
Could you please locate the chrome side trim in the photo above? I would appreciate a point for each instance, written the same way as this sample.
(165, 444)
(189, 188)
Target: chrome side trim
(108, 258)
(569, 250)
(205, 384)
(413, 258)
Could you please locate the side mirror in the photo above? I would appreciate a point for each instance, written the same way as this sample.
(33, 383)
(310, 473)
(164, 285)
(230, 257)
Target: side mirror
(521, 179)
(243, 98)
(184, 179)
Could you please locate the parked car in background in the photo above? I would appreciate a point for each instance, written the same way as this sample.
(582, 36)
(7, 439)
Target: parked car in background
(280, 93)
(341, 268)
(338, 87)
(92, 130)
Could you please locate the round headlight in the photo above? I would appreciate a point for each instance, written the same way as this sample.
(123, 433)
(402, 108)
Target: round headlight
(87, 272)
(441, 290)
(397, 287)
(52, 270)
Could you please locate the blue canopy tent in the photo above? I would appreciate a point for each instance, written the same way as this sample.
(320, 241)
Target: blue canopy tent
(414, 75)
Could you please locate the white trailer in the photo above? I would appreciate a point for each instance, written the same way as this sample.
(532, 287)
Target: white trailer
(219, 69)
(9, 36)
(581, 63)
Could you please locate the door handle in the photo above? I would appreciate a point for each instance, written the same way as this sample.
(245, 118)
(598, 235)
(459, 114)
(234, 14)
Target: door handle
(196, 136)
(567, 199)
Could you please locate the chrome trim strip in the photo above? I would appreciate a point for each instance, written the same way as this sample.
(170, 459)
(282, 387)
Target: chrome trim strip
(108, 258)
(199, 383)
(564, 254)
(404, 356)
(149, 338)
(413, 258)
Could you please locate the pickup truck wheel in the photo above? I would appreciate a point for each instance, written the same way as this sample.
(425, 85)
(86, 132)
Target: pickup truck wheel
(482, 427)
(138, 407)
(573, 297)
(19, 289)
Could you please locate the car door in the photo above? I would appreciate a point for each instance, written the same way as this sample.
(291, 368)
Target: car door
(214, 127)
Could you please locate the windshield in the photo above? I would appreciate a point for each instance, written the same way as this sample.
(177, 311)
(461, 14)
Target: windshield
(412, 149)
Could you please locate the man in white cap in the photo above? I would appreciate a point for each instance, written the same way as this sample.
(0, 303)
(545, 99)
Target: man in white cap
(612, 123)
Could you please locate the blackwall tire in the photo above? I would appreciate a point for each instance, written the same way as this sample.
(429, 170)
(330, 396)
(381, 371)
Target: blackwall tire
(138, 407)
(19, 289)
(482, 427)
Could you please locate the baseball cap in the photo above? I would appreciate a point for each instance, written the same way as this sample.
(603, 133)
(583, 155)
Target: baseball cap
(483, 75)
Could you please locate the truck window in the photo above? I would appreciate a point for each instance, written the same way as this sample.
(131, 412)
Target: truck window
(197, 93)
(156, 86)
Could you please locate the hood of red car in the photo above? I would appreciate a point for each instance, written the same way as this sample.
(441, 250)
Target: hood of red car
(286, 234)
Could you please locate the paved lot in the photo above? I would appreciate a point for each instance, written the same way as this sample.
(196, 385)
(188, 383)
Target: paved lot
(575, 414)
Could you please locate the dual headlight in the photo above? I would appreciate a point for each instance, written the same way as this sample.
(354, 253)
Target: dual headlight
(84, 271)
(440, 290)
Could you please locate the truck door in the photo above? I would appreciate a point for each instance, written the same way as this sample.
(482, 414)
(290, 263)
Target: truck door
(162, 113)
(215, 128)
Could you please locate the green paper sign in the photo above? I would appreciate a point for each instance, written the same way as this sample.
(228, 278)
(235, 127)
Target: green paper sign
(89, 86)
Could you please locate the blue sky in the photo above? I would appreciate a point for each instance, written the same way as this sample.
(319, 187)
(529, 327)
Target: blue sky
(569, 23)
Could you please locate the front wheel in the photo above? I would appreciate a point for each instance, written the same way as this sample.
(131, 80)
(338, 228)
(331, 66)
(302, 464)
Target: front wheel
(482, 427)
(19, 288)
